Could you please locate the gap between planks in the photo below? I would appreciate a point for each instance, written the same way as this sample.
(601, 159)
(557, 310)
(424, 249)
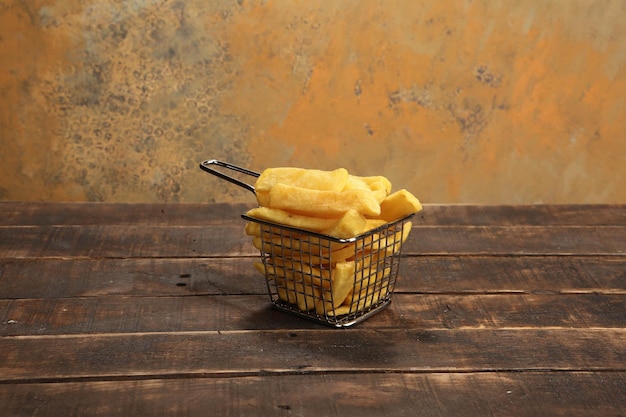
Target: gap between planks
(300, 372)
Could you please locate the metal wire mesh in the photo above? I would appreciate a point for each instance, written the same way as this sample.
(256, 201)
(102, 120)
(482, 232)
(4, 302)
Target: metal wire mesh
(338, 282)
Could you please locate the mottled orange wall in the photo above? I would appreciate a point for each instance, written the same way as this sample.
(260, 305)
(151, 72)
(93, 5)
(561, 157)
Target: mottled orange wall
(460, 101)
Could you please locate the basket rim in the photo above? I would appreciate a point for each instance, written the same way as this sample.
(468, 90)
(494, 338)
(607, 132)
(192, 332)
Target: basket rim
(324, 236)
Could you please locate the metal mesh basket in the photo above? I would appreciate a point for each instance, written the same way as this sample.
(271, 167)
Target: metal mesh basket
(337, 282)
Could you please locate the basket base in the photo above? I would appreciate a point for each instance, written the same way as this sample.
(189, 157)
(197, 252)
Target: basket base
(344, 321)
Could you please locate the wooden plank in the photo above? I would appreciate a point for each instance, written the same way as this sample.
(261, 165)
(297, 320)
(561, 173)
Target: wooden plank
(519, 240)
(54, 278)
(528, 394)
(517, 215)
(131, 214)
(529, 274)
(185, 354)
(88, 213)
(95, 315)
(229, 240)
(124, 241)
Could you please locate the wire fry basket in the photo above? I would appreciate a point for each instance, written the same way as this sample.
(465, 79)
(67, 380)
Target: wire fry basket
(333, 281)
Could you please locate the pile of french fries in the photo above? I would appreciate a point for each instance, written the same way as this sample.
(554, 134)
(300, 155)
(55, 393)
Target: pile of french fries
(328, 276)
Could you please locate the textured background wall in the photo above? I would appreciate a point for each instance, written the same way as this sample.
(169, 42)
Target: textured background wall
(487, 101)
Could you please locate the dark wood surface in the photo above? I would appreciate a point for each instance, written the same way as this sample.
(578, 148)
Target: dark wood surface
(155, 309)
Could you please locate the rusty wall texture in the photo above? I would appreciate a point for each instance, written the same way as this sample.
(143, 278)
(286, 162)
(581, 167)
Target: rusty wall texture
(460, 101)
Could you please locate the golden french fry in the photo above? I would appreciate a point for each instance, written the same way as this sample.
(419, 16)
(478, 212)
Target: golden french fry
(378, 182)
(294, 287)
(373, 224)
(371, 275)
(391, 243)
(253, 229)
(259, 266)
(365, 298)
(334, 180)
(303, 252)
(356, 183)
(299, 242)
(298, 177)
(386, 244)
(398, 205)
(304, 296)
(278, 216)
(289, 288)
(286, 247)
(292, 239)
(346, 253)
(337, 311)
(379, 186)
(351, 224)
(379, 195)
(293, 270)
(323, 203)
(342, 284)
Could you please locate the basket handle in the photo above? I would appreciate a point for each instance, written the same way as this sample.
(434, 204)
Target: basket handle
(208, 167)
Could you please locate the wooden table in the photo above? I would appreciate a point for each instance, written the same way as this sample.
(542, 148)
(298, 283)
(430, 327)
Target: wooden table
(149, 310)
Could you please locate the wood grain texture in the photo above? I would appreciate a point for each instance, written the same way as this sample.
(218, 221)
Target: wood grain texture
(140, 309)
(46, 214)
(72, 213)
(124, 241)
(522, 394)
(254, 352)
(54, 278)
(95, 315)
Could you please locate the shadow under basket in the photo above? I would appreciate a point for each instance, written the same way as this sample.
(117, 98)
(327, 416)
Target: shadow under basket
(336, 282)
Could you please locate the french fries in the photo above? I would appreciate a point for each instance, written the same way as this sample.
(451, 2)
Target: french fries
(323, 203)
(325, 276)
(317, 201)
(397, 205)
(298, 177)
